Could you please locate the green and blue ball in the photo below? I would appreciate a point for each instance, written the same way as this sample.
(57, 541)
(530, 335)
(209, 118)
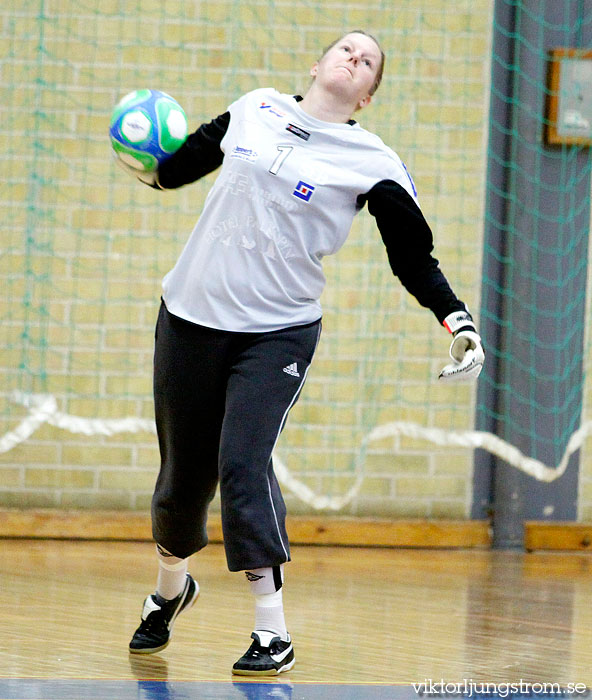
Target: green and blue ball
(146, 128)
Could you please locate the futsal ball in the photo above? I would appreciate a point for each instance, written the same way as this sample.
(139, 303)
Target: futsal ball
(147, 126)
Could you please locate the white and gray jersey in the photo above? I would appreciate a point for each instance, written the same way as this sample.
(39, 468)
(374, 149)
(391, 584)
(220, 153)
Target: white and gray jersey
(287, 193)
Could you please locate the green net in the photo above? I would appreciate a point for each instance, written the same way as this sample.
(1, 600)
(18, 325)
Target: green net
(84, 248)
(537, 227)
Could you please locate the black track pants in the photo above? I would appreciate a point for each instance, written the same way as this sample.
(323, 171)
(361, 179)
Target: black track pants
(221, 400)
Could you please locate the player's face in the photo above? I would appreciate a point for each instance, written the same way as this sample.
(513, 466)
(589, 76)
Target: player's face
(350, 68)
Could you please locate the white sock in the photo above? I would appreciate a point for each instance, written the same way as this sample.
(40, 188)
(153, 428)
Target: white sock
(269, 613)
(266, 586)
(172, 573)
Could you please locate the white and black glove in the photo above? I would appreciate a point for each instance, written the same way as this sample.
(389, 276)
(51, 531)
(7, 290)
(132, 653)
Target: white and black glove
(147, 177)
(466, 349)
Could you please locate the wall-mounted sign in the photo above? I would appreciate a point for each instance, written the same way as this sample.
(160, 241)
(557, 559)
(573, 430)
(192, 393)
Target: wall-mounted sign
(569, 97)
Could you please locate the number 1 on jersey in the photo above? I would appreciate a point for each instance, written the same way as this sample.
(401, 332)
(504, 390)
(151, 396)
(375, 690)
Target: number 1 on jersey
(284, 152)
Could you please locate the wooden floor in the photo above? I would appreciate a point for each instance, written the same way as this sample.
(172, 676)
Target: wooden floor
(357, 615)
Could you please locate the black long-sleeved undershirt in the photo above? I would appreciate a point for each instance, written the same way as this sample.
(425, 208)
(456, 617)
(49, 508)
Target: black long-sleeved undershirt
(198, 156)
(409, 244)
(405, 232)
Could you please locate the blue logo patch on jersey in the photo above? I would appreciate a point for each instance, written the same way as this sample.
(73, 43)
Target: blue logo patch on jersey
(303, 191)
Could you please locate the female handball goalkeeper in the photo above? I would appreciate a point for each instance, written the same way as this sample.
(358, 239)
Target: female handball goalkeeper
(240, 320)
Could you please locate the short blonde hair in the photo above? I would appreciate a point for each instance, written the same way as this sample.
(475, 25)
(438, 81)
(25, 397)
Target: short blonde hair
(380, 70)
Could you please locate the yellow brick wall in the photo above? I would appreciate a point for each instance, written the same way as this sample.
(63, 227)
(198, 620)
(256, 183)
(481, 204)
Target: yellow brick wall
(84, 248)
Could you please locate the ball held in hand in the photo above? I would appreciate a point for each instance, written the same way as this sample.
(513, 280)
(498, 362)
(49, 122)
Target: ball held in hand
(147, 127)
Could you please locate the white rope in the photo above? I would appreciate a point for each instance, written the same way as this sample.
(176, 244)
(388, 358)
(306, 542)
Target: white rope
(308, 496)
(450, 438)
(43, 409)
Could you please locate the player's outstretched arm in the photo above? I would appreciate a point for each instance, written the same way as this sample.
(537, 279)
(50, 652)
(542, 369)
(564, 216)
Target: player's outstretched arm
(409, 244)
(198, 156)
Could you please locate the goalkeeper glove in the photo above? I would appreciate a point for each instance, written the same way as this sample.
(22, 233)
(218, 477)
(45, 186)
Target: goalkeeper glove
(148, 178)
(466, 349)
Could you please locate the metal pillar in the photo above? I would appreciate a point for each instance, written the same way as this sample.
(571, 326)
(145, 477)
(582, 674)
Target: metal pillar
(534, 272)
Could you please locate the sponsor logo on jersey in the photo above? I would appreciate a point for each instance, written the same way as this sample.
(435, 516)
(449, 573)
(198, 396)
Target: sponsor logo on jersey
(247, 154)
(303, 191)
(298, 131)
(272, 109)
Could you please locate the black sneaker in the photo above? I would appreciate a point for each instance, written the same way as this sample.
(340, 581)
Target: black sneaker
(158, 617)
(268, 655)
